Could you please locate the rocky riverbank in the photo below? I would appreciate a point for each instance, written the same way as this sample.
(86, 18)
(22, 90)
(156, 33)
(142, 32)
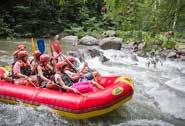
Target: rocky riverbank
(110, 41)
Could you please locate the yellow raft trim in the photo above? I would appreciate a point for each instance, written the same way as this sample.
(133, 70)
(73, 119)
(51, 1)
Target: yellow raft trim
(81, 115)
(124, 79)
(17, 102)
(93, 113)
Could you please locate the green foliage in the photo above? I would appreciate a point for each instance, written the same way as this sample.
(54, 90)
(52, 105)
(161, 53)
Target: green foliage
(134, 20)
(5, 30)
(89, 27)
(166, 42)
(148, 15)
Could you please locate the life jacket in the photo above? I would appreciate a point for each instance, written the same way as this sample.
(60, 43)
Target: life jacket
(47, 72)
(67, 80)
(26, 70)
(87, 76)
(70, 69)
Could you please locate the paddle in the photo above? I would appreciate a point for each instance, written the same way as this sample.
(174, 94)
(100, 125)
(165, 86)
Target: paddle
(41, 45)
(32, 83)
(33, 45)
(56, 46)
(54, 61)
(62, 87)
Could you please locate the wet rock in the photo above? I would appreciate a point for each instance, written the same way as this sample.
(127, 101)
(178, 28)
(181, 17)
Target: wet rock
(164, 53)
(182, 58)
(182, 53)
(134, 58)
(141, 45)
(70, 39)
(109, 33)
(76, 54)
(171, 55)
(103, 58)
(111, 43)
(141, 53)
(94, 52)
(137, 46)
(88, 40)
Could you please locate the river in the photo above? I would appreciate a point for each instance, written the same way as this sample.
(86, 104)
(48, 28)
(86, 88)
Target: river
(159, 97)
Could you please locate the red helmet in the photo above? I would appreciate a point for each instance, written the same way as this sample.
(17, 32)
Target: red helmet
(21, 46)
(22, 54)
(60, 65)
(37, 53)
(45, 58)
(71, 59)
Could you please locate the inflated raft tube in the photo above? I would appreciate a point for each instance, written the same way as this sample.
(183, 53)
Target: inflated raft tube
(118, 90)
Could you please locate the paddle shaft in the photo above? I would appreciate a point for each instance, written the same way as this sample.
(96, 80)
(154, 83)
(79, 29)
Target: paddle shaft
(54, 62)
(31, 83)
(59, 51)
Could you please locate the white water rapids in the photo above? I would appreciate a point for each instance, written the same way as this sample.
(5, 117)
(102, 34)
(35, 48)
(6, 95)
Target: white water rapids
(159, 97)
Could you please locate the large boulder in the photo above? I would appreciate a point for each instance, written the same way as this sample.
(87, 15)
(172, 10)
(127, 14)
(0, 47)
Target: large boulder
(111, 43)
(88, 40)
(70, 39)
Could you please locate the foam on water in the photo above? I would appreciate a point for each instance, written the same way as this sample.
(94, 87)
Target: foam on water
(149, 81)
(177, 83)
(144, 122)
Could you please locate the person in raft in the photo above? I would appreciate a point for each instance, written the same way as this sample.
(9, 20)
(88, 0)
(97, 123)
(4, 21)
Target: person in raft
(45, 72)
(70, 71)
(20, 47)
(22, 70)
(35, 61)
(65, 81)
(84, 74)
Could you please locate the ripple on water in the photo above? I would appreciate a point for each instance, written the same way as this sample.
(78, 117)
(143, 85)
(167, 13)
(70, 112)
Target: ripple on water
(16, 115)
(169, 102)
(178, 84)
(144, 122)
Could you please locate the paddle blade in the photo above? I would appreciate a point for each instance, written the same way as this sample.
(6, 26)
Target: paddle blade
(56, 46)
(41, 45)
(33, 47)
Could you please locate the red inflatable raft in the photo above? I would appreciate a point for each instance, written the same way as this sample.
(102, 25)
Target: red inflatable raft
(118, 90)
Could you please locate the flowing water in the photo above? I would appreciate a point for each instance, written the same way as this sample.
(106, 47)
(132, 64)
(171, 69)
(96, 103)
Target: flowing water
(159, 97)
